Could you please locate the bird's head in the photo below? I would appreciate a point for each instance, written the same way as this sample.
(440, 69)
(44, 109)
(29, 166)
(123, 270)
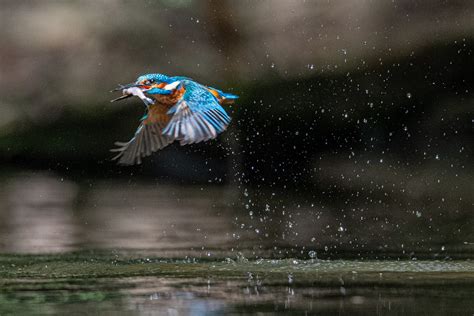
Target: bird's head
(151, 80)
(145, 83)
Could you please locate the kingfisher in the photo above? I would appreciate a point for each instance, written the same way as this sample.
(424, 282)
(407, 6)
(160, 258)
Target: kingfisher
(177, 109)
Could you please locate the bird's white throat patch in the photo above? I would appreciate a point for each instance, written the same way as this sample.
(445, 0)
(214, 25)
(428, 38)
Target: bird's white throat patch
(172, 85)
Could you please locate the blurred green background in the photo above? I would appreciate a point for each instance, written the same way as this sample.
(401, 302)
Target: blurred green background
(354, 127)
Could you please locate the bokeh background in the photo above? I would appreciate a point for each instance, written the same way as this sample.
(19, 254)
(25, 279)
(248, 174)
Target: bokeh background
(353, 134)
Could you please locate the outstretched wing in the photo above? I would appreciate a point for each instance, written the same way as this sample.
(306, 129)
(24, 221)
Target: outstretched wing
(197, 116)
(147, 139)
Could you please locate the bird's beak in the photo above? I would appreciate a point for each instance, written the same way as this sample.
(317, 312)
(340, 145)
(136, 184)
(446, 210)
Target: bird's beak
(121, 97)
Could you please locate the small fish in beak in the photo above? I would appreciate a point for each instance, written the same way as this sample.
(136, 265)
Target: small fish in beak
(133, 90)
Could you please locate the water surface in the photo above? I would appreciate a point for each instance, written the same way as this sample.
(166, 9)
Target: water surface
(118, 247)
(120, 283)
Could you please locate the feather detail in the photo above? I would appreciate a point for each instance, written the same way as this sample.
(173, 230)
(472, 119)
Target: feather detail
(147, 139)
(191, 127)
(197, 117)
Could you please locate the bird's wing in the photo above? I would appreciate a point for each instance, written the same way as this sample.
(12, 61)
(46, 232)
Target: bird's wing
(197, 116)
(147, 139)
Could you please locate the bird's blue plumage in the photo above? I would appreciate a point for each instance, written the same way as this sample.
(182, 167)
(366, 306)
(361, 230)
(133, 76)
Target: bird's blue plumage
(197, 117)
(155, 77)
(158, 91)
(184, 110)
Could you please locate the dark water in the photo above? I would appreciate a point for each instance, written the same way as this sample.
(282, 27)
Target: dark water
(117, 247)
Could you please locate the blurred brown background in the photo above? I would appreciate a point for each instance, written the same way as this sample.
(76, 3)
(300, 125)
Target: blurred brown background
(354, 116)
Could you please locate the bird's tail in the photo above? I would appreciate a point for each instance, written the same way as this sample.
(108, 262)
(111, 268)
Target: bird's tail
(228, 96)
(223, 97)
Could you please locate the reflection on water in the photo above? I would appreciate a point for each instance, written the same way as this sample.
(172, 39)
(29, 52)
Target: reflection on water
(36, 214)
(188, 297)
(114, 247)
(43, 213)
(153, 286)
(46, 213)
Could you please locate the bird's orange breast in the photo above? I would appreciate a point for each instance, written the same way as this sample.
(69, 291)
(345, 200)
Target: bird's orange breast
(157, 113)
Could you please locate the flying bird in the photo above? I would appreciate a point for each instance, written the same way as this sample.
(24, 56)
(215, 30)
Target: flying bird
(177, 108)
